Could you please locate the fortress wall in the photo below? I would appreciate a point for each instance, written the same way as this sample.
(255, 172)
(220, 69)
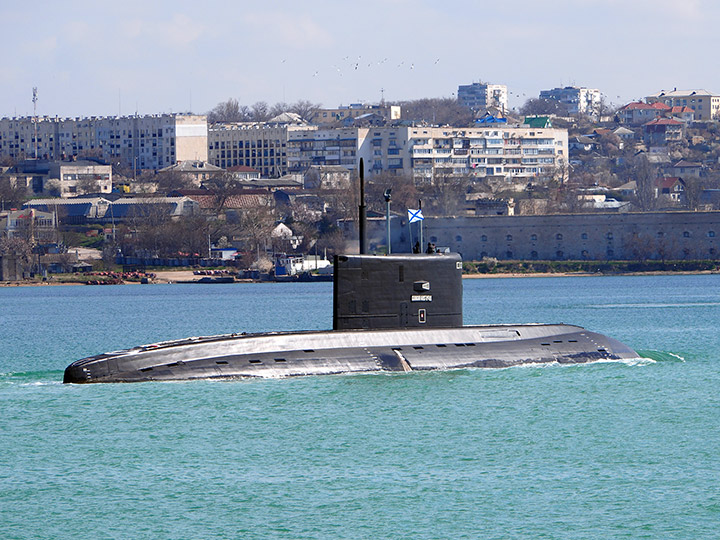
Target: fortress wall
(630, 236)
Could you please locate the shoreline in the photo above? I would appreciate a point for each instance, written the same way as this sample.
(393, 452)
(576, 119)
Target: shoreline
(186, 277)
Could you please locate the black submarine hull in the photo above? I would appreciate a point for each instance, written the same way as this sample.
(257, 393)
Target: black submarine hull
(288, 354)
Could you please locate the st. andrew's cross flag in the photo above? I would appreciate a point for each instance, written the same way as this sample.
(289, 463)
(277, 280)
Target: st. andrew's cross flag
(415, 215)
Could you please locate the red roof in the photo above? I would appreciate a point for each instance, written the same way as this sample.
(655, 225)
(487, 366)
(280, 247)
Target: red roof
(668, 182)
(660, 106)
(639, 105)
(681, 109)
(242, 168)
(664, 122)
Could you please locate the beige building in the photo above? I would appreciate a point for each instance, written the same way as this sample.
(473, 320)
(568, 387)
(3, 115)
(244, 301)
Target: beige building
(705, 105)
(141, 142)
(331, 116)
(260, 145)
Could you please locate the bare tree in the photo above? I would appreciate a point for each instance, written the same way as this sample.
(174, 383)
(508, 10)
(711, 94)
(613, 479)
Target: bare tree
(228, 111)
(304, 108)
(438, 111)
(171, 180)
(260, 112)
(278, 109)
(644, 173)
(537, 106)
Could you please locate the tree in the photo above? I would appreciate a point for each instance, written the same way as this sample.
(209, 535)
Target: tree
(644, 173)
(260, 112)
(88, 184)
(278, 109)
(437, 111)
(304, 108)
(228, 111)
(171, 180)
(537, 106)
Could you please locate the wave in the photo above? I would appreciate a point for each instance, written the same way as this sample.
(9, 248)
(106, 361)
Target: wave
(660, 356)
(657, 305)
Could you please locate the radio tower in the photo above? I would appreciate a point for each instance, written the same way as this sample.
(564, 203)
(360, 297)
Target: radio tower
(34, 100)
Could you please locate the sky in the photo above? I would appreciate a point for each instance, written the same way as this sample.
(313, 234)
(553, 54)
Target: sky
(106, 58)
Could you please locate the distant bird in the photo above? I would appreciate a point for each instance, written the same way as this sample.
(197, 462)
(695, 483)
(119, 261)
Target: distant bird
(315, 74)
(356, 66)
(412, 66)
(436, 61)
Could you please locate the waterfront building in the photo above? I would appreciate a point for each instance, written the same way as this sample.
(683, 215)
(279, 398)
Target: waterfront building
(704, 104)
(481, 96)
(591, 236)
(578, 100)
(138, 142)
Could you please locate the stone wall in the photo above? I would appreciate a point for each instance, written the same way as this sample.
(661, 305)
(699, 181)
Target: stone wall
(629, 236)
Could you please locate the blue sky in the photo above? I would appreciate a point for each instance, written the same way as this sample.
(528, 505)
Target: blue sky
(101, 58)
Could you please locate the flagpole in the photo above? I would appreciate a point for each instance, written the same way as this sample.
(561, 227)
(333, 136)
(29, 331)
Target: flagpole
(421, 224)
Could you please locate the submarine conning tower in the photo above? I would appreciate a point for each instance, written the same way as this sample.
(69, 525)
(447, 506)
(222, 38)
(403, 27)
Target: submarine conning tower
(397, 291)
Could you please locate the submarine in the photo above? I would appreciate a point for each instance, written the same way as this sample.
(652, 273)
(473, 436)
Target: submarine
(391, 313)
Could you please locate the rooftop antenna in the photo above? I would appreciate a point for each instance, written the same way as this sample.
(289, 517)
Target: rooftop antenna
(34, 100)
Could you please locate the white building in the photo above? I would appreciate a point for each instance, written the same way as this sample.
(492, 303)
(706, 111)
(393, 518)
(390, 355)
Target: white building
(579, 100)
(426, 153)
(482, 96)
(141, 142)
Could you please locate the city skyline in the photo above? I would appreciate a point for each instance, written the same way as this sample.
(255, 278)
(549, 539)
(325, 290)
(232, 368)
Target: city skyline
(89, 59)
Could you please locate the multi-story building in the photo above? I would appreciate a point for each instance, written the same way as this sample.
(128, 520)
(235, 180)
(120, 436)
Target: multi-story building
(331, 116)
(502, 152)
(326, 146)
(141, 142)
(705, 104)
(260, 145)
(578, 100)
(482, 96)
(426, 153)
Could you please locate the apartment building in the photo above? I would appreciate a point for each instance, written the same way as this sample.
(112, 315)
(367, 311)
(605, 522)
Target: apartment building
(578, 100)
(260, 145)
(705, 105)
(426, 153)
(501, 152)
(141, 142)
(321, 117)
(481, 96)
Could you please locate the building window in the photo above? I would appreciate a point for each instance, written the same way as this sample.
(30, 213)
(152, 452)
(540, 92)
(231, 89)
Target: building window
(534, 254)
(458, 238)
(584, 236)
(509, 238)
(483, 238)
(508, 254)
(711, 234)
(559, 254)
(660, 234)
(533, 237)
(686, 234)
(584, 254)
(609, 236)
(558, 236)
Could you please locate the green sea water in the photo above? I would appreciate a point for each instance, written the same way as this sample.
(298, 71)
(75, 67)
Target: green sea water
(607, 450)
